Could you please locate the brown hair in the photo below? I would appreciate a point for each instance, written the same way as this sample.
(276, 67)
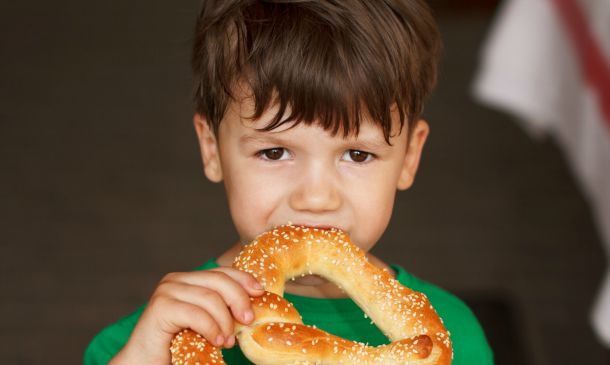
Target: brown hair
(327, 60)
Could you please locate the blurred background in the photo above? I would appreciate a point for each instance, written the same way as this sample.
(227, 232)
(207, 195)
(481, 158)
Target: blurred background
(103, 191)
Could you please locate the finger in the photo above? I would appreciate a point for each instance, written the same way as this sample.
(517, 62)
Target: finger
(207, 299)
(231, 290)
(246, 280)
(187, 315)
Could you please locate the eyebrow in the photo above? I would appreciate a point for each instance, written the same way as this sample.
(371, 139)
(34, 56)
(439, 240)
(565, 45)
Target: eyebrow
(370, 144)
(364, 144)
(263, 138)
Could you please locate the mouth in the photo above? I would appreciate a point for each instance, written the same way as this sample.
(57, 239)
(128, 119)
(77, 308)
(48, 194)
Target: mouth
(318, 226)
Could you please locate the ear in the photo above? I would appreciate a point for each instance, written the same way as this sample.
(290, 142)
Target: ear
(413, 155)
(209, 149)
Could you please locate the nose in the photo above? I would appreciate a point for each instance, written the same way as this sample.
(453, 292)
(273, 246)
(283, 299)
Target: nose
(316, 190)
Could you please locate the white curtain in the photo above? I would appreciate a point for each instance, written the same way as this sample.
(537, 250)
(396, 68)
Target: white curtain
(548, 62)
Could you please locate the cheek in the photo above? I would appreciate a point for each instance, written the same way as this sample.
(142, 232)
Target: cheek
(375, 211)
(373, 187)
(252, 196)
(372, 201)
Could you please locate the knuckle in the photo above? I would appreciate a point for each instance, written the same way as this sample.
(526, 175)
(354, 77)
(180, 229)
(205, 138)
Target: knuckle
(242, 296)
(250, 276)
(252, 282)
(163, 288)
(242, 275)
(201, 321)
(240, 303)
(172, 276)
(210, 328)
(225, 324)
(219, 275)
(194, 312)
(210, 296)
(159, 301)
(230, 326)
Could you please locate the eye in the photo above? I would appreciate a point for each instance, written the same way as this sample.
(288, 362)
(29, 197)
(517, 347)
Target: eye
(273, 154)
(357, 156)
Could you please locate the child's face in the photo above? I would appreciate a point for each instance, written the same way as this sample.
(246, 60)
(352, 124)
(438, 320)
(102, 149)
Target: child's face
(306, 176)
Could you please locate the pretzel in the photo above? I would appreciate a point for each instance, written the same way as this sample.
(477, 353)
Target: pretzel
(277, 334)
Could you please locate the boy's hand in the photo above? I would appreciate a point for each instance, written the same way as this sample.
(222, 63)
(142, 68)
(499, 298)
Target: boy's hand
(205, 301)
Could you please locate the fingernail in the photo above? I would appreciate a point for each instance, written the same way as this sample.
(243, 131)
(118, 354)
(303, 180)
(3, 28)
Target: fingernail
(230, 341)
(220, 340)
(257, 286)
(248, 315)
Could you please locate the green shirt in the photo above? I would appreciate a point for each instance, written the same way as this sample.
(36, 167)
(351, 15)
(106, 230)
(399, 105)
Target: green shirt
(341, 317)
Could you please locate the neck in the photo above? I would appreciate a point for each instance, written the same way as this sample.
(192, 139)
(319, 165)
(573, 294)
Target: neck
(313, 286)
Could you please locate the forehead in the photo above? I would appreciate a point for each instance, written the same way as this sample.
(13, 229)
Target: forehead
(238, 121)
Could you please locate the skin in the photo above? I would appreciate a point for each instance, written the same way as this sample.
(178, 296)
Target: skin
(302, 175)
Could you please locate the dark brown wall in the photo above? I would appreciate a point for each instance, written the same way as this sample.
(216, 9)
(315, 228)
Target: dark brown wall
(103, 193)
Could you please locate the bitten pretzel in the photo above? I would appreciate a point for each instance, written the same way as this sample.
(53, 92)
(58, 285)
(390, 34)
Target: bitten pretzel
(277, 334)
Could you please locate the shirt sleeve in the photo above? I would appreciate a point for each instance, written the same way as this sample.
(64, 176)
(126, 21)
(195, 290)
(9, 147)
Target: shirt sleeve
(470, 345)
(106, 344)
(475, 348)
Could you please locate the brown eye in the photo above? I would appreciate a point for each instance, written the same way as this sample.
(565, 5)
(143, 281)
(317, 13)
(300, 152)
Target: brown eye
(273, 153)
(358, 156)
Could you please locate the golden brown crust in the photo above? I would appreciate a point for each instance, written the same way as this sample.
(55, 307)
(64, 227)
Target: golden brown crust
(189, 347)
(310, 344)
(277, 335)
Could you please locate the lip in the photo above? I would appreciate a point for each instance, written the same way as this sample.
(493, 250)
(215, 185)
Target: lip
(319, 226)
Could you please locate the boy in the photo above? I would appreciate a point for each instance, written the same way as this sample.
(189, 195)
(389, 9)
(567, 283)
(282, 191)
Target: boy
(308, 111)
